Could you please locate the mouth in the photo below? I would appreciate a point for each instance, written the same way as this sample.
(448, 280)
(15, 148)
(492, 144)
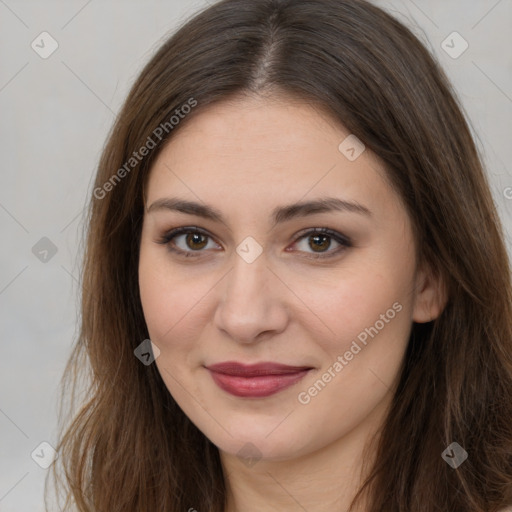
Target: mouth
(256, 380)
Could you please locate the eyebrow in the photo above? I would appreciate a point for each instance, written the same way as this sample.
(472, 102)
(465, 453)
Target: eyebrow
(278, 215)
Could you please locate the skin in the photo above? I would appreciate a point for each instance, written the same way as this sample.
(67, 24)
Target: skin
(245, 157)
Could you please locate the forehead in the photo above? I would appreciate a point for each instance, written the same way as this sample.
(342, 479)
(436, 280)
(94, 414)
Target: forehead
(259, 152)
(255, 126)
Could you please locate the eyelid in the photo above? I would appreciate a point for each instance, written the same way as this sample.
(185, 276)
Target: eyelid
(344, 241)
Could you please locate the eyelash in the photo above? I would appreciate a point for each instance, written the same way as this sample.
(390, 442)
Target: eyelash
(338, 237)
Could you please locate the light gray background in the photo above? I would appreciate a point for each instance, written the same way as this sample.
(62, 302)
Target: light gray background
(55, 115)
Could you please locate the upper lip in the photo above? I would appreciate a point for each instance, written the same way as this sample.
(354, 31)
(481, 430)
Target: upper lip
(252, 370)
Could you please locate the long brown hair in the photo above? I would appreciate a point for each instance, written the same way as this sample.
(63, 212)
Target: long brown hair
(130, 447)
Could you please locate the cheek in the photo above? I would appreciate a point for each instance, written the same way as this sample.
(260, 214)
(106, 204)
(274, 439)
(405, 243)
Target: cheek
(352, 305)
(372, 322)
(370, 315)
(173, 303)
(162, 299)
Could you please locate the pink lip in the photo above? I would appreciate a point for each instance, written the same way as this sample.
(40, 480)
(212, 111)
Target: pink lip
(255, 380)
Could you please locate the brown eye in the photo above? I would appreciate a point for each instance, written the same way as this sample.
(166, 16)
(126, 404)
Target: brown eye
(193, 241)
(320, 240)
(186, 241)
(190, 242)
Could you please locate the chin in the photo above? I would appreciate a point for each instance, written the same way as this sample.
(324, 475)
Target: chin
(265, 440)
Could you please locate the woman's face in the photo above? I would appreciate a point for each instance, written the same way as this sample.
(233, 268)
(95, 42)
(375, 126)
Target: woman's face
(258, 286)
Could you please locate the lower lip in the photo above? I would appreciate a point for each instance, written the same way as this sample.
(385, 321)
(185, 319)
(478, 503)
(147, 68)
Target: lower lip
(256, 387)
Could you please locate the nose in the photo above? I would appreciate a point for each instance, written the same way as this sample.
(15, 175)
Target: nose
(252, 302)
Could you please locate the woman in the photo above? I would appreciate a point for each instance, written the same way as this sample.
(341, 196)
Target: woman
(296, 294)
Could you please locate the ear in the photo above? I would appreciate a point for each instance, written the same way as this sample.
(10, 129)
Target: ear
(430, 295)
